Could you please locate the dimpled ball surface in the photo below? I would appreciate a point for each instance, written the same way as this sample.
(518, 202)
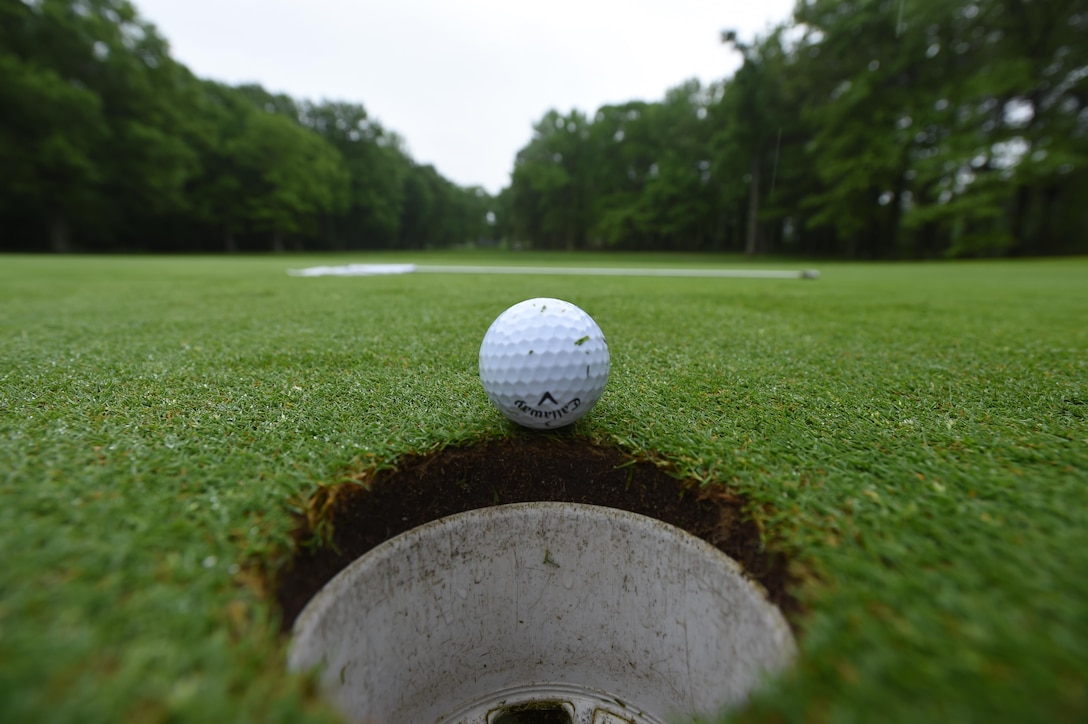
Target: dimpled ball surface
(544, 363)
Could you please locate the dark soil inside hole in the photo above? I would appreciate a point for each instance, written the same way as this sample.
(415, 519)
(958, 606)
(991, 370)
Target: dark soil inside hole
(523, 469)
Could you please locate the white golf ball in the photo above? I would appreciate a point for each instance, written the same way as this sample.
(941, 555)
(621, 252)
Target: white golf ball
(544, 363)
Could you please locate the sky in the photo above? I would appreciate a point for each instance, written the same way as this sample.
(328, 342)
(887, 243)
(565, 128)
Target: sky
(462, 81)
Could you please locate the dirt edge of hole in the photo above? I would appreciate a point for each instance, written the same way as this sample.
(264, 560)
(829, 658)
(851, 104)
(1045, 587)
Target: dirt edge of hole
(364, 513)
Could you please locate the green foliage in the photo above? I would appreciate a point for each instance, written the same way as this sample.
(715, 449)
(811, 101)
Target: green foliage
(107, 143)
(550, 183)
(295, 176)
(377, 171)
(936, 126)
(863, 128)
(860, 128)
(46, 166)
(86, 86)
(633, 176)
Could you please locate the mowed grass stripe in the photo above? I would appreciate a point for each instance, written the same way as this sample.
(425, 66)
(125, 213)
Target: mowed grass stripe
(915, 434)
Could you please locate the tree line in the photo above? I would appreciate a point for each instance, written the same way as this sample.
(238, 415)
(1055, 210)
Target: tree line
(859, 129)
(109, 144)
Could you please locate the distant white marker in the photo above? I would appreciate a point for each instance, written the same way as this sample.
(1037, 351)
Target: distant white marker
(367, 270)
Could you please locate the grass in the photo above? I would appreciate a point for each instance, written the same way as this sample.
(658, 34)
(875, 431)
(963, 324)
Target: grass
(916, 435)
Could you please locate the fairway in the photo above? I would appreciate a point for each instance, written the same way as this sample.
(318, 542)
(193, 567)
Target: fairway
(914, 437)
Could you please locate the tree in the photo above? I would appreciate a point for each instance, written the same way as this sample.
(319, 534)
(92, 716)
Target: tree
(749, 135)
(217, 193)
(107, 143)
(936, 127)
(49, 171)
(651, 172)
(551, 195)
(292, 177)
(377, 168)
(92, 133)
(863, 128)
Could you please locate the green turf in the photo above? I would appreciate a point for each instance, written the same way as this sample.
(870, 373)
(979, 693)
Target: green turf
(916, 433)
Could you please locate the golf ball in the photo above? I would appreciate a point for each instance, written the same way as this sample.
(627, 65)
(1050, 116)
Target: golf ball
(544, 363)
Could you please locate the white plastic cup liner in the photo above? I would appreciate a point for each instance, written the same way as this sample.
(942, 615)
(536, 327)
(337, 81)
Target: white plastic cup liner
(587, 614)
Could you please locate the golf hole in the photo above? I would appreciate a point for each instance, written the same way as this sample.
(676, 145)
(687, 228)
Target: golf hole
(536, 612)
(538, 712)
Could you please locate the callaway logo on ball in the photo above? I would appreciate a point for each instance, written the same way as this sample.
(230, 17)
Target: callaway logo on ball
(544, 363)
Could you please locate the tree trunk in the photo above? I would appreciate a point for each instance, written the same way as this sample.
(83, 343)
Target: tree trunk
(1020, 209)
(230, 245)
(1048, 241)
(277, 241)
(752, 243)
(60, 241)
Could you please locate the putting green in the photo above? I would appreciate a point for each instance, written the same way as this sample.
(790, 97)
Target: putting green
(914, 435)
